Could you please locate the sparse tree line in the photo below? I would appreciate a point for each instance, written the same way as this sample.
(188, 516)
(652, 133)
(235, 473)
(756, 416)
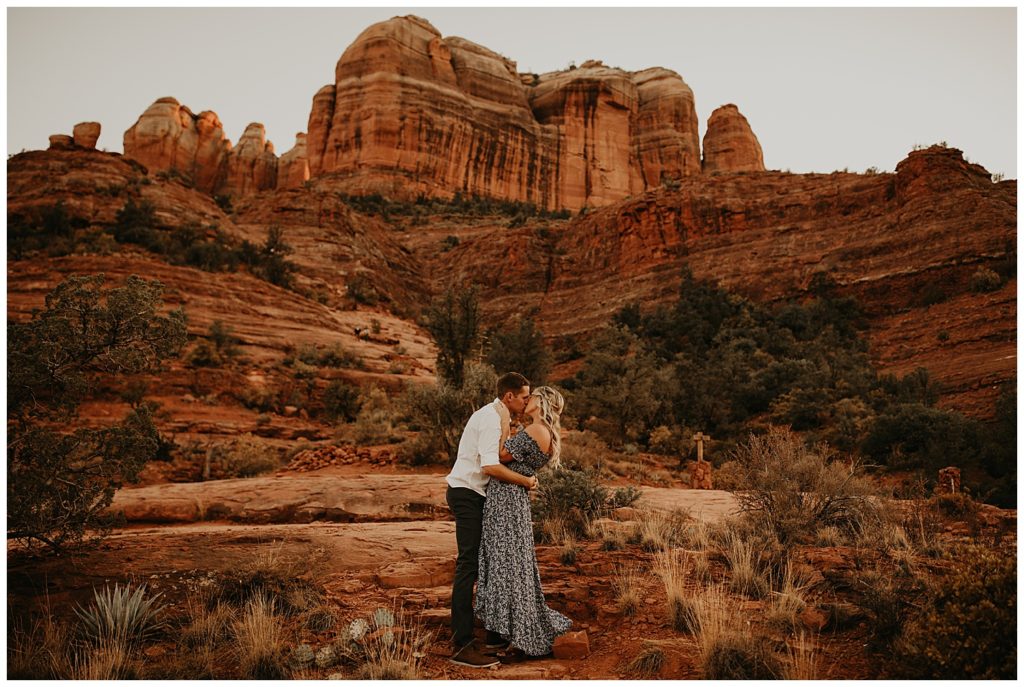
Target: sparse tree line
(56, 232)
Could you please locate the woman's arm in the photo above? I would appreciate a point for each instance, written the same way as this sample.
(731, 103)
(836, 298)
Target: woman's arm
(506, 431)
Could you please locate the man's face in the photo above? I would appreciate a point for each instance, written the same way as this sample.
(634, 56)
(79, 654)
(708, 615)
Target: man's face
(516, 401)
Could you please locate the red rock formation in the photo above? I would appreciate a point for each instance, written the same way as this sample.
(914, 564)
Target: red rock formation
(729, 143)
(884, 239)
(168, 136)
(293, 167)
(86, 134)
(414, 113)
(252, 165)
(61, 142)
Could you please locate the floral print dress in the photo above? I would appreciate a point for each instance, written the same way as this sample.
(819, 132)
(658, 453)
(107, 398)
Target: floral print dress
(509, 599)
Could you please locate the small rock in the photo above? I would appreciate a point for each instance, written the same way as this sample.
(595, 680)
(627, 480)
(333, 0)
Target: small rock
(572, 645)
(813, 619)
(289, 411)
(625, 513)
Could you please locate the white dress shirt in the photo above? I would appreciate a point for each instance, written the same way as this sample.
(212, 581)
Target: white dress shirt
(477, 447)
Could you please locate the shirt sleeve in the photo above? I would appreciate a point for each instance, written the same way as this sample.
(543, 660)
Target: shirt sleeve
(488, 438)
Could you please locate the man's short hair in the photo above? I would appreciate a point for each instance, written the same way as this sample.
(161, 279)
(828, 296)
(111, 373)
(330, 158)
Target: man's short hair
(511, 381)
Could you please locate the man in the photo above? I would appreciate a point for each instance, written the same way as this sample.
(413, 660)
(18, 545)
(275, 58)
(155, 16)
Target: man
(476, 463)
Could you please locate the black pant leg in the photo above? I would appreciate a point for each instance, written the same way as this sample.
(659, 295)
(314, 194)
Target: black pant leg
(468, 508)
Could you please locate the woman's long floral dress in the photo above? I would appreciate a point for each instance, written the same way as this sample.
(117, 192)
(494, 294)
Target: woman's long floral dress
(509, 599)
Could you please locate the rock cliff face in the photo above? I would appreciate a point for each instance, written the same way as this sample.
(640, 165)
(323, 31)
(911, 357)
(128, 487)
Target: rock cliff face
(293, 167)
(906, 245)
(411, 112)
(252, 165)
(894, 241)
(729, 143)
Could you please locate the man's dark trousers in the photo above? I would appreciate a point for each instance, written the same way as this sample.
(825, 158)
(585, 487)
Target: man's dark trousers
(468, 508)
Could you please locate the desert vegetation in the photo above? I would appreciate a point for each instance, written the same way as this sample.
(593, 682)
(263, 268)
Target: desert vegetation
(799, 364)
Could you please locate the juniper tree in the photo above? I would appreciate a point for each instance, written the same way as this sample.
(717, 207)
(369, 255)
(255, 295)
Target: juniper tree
(59, 481)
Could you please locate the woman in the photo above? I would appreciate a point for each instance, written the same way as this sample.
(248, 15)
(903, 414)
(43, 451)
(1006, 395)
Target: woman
(509, 599)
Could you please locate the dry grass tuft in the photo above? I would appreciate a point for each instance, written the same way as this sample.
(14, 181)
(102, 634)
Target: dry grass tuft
(787, 601)
(673, 569)
(41, 652)
(727, 647)
(647, 664)
(627, 584)
(746, 577)
(802, 661)
(258, 640)
(110, 659)
(829, 535)
(611, 536)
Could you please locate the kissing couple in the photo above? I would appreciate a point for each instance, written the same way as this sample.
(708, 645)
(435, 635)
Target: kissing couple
(489, 495)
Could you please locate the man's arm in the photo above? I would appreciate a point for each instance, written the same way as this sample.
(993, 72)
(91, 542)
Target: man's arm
(505, 475)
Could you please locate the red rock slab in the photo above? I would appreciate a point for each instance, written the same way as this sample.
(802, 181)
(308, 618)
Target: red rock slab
(289, 498)
(700, 503)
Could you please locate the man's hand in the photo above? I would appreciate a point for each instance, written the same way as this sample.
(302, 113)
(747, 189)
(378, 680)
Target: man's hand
(532, 483)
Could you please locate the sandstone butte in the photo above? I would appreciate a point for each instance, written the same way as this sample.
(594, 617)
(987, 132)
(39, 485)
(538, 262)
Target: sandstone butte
(412, 113)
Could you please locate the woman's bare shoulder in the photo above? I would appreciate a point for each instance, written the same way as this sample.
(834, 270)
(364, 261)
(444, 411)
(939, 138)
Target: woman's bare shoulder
(540, 434)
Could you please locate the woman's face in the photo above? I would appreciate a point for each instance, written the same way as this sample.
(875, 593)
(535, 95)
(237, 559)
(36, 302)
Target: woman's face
(532, 406)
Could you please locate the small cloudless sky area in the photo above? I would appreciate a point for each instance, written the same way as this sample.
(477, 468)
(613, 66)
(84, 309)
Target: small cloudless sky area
(822, 88)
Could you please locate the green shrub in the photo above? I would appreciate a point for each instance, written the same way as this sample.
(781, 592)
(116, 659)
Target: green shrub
(440, 412)
(341, 401)
(246, 456)
(573, 497)
(985, 280)
(519, 347)
(967, 629)
(912, 435)
(376, 421)
(791, 490)
(453, 320)
(61, 481)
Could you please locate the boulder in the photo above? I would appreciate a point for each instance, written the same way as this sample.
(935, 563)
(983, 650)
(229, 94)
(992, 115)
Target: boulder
(86, 134)
(572, 645)
(729, 143)
(61, 142)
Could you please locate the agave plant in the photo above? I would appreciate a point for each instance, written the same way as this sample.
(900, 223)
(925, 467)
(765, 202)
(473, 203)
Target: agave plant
(120, 614)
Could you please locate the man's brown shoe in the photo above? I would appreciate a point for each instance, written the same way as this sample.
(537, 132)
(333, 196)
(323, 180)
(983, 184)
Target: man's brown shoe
(471, 657)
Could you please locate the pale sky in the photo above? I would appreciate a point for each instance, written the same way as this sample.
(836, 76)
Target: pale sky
(823, 89)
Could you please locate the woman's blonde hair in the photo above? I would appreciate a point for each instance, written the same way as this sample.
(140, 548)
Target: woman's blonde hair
(551, 405)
